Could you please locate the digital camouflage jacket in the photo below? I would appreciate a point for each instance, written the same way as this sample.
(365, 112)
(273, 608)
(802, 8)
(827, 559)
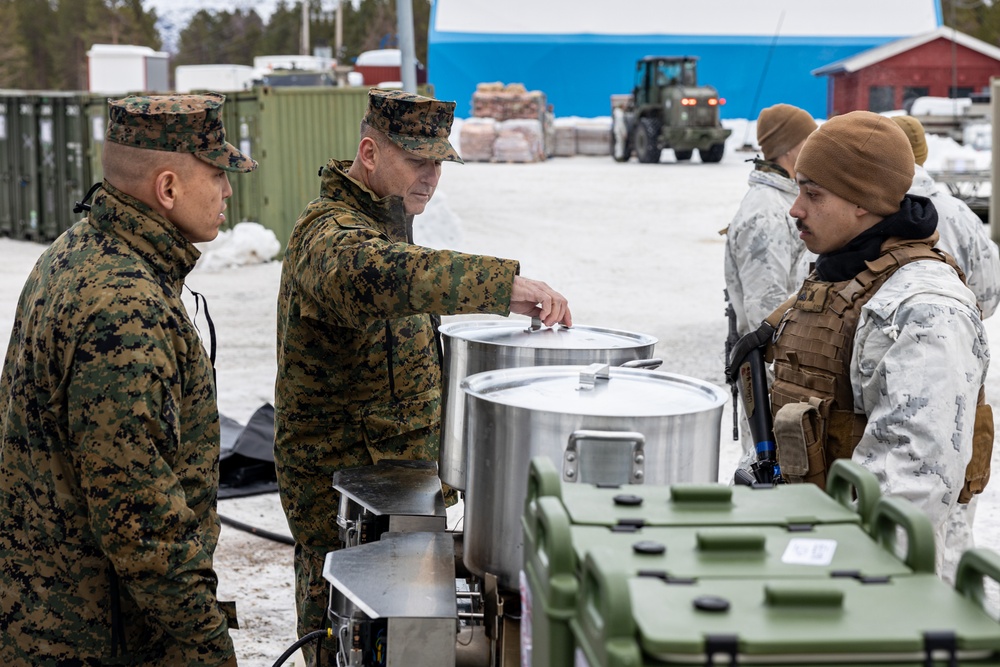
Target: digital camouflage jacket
(109, 447)
(358, 362)
(966, 238)
(765, 260)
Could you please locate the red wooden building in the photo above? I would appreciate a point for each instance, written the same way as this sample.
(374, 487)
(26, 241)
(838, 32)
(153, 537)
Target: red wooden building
(941, 63)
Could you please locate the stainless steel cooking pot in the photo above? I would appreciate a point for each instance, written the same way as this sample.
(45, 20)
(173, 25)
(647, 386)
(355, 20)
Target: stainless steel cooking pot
(475, 346)
(600, 425)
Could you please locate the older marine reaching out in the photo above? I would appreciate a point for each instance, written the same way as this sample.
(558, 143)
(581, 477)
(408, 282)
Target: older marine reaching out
(359, 365)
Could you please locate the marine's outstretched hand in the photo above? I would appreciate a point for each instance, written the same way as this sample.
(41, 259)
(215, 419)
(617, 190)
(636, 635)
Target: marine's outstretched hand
(536, 299)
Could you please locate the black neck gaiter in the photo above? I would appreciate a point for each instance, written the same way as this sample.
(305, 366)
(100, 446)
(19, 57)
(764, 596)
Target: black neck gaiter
(915, 219)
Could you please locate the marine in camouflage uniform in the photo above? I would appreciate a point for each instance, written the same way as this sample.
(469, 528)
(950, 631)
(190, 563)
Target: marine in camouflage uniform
(962, 234)
(765, 260)
(110, 432)
(359, 370)
(882, 354)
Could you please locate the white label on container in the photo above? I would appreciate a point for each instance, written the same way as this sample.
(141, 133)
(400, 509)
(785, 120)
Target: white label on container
(580, 659)
(45, 131)
(97, 128)
(805, 551)
(3, 126)
(245, 147)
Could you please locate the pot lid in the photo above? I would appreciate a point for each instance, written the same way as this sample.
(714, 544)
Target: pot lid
(596, 390)
(514, 333)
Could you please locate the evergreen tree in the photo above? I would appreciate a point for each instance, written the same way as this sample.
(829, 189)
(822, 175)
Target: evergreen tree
(220, 37)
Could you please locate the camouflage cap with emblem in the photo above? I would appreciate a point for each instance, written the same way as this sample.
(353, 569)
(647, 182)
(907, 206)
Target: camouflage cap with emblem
(176, 124)
(417, 124)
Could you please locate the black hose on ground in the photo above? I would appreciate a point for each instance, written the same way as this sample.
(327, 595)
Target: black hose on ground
(284, 539)
(315, 634)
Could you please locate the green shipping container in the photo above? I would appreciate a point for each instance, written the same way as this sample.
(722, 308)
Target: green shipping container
(27, 178)
(72, 138)
(8, 168)
(44, 165)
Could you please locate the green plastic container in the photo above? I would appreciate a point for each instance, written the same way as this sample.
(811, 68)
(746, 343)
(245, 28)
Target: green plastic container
(722, 545)
(627, 621)
(711, 504)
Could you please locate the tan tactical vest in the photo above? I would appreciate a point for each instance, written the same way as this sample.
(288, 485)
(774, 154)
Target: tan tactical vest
(812, 400)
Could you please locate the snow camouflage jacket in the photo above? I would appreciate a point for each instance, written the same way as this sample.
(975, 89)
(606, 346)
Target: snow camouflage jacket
(966, 238)
(918, 358)
(358, 361)
(765, 260)
(109, 455)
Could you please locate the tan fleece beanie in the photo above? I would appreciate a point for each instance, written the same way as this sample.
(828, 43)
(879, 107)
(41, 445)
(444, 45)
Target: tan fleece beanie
(780, 129)
(914, 131)
(860, 156)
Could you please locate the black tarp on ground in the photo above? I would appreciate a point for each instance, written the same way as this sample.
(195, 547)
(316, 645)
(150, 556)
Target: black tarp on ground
(246, 462)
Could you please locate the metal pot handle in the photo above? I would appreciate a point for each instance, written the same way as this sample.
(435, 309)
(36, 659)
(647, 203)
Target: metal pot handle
(598, 473)
(642, 363)
(536, 325)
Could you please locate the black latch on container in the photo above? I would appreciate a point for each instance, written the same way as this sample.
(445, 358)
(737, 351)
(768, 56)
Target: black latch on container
(940, 641)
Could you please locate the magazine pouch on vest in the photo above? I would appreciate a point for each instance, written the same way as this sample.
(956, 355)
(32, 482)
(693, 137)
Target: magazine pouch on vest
(798, 427)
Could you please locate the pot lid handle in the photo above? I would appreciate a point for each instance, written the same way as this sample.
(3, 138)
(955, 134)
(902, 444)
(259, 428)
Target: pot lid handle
(592, 373)
(536, 325)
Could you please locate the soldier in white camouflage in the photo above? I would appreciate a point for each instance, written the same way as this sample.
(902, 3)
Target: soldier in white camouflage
(109, 431)
(882, 355)
(962, 233)
(765, 260)
(359, 368)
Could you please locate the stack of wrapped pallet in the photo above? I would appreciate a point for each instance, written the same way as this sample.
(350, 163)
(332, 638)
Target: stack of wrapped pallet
(477, 137)
(519, 140)
(593, 136)
(522, 118)
(564, 143)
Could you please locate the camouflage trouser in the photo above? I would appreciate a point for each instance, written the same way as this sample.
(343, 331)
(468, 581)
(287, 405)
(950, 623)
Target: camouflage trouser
(305, 476)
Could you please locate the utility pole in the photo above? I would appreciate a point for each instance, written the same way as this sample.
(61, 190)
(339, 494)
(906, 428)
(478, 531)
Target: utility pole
(408, 62)
(304, 47)
(339, 34)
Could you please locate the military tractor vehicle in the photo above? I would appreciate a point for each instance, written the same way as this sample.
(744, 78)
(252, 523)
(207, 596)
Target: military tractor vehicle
(667, 109)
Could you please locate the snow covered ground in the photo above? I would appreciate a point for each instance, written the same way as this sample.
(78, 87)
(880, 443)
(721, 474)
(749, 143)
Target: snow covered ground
(633, 247)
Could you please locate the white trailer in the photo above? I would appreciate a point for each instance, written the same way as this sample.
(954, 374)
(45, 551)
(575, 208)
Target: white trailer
(220, 78)
(117, 69)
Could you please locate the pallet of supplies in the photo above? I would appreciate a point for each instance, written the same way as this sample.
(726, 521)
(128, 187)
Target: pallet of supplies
(519, 140)
(593, 136)
(476, 137)
(564, 139)
(504, 102)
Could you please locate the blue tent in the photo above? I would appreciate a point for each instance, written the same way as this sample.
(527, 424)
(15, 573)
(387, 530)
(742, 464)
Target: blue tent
(580, 52)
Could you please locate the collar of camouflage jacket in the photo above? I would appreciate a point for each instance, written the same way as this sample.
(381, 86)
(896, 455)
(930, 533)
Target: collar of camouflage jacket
(144, 230)
(386, 214)
(775, 178)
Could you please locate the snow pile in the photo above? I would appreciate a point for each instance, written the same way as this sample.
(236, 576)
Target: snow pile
(940, 106)
(946, 154)
(246, 243)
